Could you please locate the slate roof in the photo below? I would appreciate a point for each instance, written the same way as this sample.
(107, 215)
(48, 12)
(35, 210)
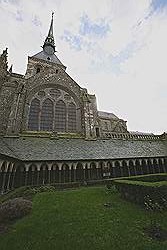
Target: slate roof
(44, 149)
(44, 56)
(107, 115)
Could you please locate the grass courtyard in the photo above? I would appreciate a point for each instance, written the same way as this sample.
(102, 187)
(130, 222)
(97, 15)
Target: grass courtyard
(78, 220)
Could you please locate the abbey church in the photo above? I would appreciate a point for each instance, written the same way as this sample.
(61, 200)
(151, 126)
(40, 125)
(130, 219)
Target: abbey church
(51, 130)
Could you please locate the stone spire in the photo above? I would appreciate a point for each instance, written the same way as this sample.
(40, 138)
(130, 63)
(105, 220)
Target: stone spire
(48, 52)
(49, 44)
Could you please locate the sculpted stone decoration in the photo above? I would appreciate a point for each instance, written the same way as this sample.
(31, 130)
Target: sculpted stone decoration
(3, 61)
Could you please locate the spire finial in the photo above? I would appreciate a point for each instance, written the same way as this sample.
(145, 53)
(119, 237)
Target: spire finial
(49, 44)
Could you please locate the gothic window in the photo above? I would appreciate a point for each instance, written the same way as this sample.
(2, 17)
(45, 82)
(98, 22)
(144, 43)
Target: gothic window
(71, 117)
(33, 121)
(47, 116)
(106, 125)
(97, 132)
(60, 116)
(53, 109)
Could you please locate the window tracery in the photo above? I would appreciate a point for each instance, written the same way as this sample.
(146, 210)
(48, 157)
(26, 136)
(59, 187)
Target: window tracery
(53, 110)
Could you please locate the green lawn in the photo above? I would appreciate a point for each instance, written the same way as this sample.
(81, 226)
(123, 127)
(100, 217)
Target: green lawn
(78, 220)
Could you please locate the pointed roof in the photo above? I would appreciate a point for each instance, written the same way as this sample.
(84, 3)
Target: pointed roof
(48, 52)
(49, 41)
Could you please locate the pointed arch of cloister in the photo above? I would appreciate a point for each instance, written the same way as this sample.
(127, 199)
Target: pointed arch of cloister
(15, 174)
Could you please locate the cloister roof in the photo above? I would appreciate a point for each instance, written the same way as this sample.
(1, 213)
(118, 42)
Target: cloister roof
(45, 149)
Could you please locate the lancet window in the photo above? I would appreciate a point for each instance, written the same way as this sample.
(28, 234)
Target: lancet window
(72, 117)
(60, 116)
(46, 122)
(33, 122)
(54, 110)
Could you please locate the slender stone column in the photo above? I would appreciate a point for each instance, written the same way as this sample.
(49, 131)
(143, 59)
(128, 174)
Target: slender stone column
(38, 172)
(74, 167)
(135, 169)
(70, 174)
(49, 171)
(163, 165)
(97, 170)
(104, 167)
(147, 167)
(113, 168)
(89, 167)
(60, 164)
(141, 166)
(128, 170)
(9, 177)
(27, 165)
(84, 169)
(4, 177)
(1, 163)
(13, 180)
(121, 169)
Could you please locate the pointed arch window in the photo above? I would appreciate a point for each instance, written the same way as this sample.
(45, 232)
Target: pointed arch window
(46, 123)
(72, 117)
(60, 116)
(53, 109)
(33, 119)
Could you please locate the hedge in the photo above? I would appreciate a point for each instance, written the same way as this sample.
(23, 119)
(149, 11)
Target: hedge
(141, 192)
(149, 177)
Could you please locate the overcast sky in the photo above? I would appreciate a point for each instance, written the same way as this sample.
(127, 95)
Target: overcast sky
(117, 49)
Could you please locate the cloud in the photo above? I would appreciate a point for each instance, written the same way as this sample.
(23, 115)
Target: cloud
(36, 21)
(99, 28)
(158, 5)
(87, 32)
(75, 41)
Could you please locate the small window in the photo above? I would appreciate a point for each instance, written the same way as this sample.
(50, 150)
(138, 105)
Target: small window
(22, 87)
(57, 71)
(106, 125)
(38, 70)
(97, 132)
(48, 58)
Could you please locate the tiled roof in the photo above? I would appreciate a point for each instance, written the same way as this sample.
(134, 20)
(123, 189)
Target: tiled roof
(44, 56)
(34, 149)
(107, 115)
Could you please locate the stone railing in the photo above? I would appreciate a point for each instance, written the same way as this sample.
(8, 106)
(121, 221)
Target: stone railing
(130, 136)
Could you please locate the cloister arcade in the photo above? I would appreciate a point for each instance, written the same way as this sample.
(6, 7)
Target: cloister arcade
(17, 174)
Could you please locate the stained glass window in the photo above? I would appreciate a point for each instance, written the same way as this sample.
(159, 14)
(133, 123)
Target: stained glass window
(60, 116)
(33, 122)
(47, 116)
(71, 117)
